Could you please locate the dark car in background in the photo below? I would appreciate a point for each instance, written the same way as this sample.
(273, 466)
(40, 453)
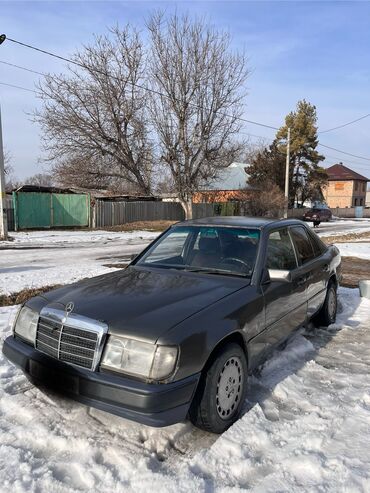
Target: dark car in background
(177, 332)
(318, 215)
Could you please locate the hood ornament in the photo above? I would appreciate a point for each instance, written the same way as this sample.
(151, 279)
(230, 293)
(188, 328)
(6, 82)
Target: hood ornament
(69, 307)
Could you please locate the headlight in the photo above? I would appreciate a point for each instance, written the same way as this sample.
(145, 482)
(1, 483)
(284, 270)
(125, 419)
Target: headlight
(138, 358)
(25, 325)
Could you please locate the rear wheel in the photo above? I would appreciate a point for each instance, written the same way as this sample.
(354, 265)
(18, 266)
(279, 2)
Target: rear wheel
(221, 390)
(328, 312)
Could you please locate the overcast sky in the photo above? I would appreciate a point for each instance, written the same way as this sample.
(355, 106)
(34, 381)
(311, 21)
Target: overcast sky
(313, 50)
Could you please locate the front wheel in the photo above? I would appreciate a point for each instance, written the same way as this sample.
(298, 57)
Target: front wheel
(221, 390)
(328, 312)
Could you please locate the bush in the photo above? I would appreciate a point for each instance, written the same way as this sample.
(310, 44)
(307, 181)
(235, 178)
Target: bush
(269, 202)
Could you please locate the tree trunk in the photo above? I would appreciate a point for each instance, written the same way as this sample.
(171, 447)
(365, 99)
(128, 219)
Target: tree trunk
(187, 205)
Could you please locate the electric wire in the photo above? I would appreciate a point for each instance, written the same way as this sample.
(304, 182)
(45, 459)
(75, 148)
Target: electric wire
(345, 124)
(74, 62)
(140, 86)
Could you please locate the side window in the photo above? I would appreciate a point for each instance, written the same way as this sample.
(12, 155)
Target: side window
(280, 251)
(303, 244)
(318, 246)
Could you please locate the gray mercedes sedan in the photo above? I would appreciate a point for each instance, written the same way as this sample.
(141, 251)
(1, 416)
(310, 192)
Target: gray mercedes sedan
(176, 333)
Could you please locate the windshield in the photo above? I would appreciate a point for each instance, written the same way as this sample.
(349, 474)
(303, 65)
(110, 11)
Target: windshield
(213, 250)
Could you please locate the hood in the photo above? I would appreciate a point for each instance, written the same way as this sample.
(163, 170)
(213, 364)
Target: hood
(144, 303)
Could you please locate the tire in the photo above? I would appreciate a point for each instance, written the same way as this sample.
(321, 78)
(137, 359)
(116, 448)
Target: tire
(328, 311)
(221, 391)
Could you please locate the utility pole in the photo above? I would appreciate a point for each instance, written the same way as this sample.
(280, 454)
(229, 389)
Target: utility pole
(3, 218)
(287, 174)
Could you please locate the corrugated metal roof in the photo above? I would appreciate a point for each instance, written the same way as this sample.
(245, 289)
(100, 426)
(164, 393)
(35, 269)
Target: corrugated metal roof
(232, 178)
(339, 172)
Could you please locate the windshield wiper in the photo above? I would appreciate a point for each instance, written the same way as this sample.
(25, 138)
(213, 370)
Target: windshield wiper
(216, 272)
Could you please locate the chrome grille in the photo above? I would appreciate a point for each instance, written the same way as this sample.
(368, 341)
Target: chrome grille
(58, 336)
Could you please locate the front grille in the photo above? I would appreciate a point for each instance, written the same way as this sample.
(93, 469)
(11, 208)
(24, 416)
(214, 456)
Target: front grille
(66, 343)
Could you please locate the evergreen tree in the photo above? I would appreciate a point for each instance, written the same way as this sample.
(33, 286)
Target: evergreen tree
(306, 176)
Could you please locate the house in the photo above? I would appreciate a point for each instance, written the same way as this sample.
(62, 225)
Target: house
(231, 185)
(367, 202)
(346, 188)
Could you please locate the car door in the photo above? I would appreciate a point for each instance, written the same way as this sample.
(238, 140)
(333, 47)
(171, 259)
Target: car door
(314, 266)
(285, 301)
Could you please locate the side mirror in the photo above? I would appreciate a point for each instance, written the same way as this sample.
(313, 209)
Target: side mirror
(277, 275)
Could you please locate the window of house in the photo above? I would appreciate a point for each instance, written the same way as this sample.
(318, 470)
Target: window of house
(280, 251)
(356, 186)
(355, 202)
(361, 201)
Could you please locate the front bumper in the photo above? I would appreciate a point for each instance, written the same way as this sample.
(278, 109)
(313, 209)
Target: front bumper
(150, 404)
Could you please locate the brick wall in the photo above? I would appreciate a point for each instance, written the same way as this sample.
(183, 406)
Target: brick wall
(344, 193)
(339, 193)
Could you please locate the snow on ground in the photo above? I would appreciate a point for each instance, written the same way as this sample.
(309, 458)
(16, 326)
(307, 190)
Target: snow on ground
(343, 226)
(42, 258)
(355, 249)
(306, 425)
(306, 428)
(49, 237)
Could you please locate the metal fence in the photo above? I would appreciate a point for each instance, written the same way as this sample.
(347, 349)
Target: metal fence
(106, 213)
(35, 210)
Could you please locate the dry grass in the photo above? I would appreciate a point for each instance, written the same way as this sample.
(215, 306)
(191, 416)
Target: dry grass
(24, 295)
(354, 269)
(344, 238)
(118, 265)
(142, 226)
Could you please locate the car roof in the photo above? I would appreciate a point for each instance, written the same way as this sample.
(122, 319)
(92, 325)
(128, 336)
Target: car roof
(238, 221)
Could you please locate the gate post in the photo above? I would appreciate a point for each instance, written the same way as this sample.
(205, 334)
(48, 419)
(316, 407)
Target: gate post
(15, 207)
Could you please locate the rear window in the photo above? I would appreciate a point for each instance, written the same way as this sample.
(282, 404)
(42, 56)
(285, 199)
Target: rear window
(303, 244)
(318, 246)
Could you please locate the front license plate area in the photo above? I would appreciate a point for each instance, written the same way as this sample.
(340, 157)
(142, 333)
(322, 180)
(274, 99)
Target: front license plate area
(53, 379)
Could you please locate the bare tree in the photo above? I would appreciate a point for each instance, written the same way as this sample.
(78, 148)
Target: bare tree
(89, 173)
(198, 83)
(268, 202)
(40, 180)
(97, 113)
(8, 168)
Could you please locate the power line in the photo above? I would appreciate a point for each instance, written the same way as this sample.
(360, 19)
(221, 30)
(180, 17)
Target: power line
(22, 68)
(345, 124)
(159, 93)
(349, 161)
(18, 87)
(154, 91)
(344, 152)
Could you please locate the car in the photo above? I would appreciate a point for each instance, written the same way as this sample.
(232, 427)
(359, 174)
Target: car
(176, 333)
(318, 215)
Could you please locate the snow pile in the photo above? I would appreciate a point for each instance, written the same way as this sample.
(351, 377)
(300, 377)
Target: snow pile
(309, 424)
(306, 427)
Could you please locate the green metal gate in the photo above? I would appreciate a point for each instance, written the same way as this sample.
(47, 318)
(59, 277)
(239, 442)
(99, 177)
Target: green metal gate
(33, 210)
